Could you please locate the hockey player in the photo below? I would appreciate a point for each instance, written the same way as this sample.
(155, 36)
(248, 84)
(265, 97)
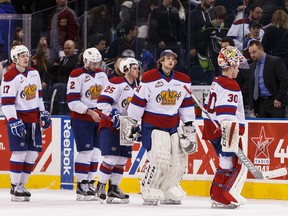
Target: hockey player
(114, 101)
(83, 89)
(23, 107)
(160, 102)
(223, 104)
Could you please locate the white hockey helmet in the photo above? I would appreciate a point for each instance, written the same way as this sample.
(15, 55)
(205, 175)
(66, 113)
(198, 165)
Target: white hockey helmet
(126, 63)
(91, 55)
(16, 51)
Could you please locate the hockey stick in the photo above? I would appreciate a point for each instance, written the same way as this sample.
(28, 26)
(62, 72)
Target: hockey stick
(52, 102)
(240, 154)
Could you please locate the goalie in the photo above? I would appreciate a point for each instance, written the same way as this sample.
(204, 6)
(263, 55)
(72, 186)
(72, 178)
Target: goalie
(225, 107)
(160, 102)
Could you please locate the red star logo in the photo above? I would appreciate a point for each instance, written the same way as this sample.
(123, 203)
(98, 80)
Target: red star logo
(262, 142)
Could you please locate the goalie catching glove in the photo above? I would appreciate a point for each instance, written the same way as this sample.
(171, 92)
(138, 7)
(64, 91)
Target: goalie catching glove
(129, 131)
(17, 128)
(45, 119)
(188, 139)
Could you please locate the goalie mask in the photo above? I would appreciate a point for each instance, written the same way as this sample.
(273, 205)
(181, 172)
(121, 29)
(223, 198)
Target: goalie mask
(91, 55)
(126, 63)
(16, 51)
(230, 56)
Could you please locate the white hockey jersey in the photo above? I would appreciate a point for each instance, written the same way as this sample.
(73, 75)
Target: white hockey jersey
(162, 101)
(22, 95)
(83, 91)
(117, 94)
(224, 102)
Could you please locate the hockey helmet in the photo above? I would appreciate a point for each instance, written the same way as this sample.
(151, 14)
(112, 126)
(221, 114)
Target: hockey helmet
(91, 55)
(16, 51)
(126, 63)
(230, 56)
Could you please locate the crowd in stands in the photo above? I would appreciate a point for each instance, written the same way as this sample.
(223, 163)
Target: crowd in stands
(194, 29)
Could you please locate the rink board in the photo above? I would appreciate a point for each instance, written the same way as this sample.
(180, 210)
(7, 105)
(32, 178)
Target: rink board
(267, 142)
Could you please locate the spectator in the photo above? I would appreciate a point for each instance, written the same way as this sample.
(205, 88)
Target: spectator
(40, 61)
(62, 68)
(200, 17)
(212, 36)
(116, 72)
(254, 28)
(268, 83)
(99, 42)
(128, 43)
(164, 30)
(99, 21)
(63, 26)
(42, 44)
(18, 35)
(231, 7)
(240, 27)
(275, 40)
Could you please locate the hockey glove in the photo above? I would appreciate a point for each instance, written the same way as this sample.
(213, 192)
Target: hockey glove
(115, 119)
(17, 128)
(45, 119)
(187, 138)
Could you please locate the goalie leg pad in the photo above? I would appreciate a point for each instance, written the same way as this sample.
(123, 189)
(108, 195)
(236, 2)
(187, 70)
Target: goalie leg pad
(230, 136)
(178, 163)
(227, 185)
(159, 163)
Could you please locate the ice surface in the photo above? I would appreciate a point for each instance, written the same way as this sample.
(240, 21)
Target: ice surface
(63, 203)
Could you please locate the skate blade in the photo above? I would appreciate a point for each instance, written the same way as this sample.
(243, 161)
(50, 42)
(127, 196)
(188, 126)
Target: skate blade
(115, 200)
(151, 202)
(100, 200)
(80, 197)
(20, 199)
(219, 205)
(171, 202)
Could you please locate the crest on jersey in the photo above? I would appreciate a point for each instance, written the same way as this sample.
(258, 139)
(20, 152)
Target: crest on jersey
(29, 92)
(168, 97)
(125, 103)
(127, 88)
(93, 92)
(159, 84)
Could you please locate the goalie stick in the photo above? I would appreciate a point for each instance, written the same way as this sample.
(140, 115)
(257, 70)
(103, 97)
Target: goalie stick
(240, 154)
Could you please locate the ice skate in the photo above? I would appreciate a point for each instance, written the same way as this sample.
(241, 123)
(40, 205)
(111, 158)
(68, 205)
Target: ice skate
(101, 193)
(215, 204)
(171, 202)
(83, 192)
(19, 193)
(116, 196)
(93, 188)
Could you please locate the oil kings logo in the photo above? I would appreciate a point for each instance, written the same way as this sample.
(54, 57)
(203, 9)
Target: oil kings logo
(93, 92)
(125, 103)
(168, 97)
(29, 92)
(262, 143)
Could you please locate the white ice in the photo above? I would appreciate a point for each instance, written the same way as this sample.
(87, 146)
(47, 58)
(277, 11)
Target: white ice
(63, 203)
